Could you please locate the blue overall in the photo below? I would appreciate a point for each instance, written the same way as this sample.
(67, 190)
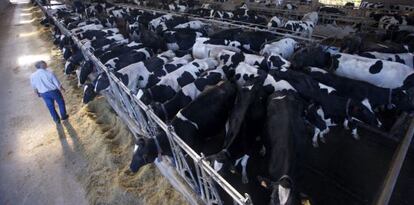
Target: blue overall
(50, 97)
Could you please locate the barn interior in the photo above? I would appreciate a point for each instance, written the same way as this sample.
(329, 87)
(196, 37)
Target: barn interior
(300, 102)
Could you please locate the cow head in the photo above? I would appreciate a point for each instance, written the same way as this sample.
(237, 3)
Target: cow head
(282, 192)
(403, 100)
(363, 112)
(145, 152)
(277, 62)
(351, 44)
(313, 56)
(70, 67)
(102, 82)
(88, 93)
(85, 70)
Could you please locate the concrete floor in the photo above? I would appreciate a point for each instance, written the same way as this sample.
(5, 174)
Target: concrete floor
(37, 160)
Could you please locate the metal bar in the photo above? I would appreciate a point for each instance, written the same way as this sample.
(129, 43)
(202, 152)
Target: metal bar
(390, 180)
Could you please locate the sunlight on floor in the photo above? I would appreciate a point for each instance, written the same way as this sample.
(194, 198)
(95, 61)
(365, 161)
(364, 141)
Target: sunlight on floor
(26, 21)
(27, 34)
(31, 59)
(19, 1)
(25, 14)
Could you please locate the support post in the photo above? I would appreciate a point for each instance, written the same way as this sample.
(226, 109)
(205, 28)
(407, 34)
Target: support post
(390, 180)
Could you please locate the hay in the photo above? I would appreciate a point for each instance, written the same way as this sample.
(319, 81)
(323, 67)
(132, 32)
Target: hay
(106, 145)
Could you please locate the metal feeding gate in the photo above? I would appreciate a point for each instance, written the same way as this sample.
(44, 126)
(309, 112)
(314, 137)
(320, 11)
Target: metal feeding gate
(142, 121)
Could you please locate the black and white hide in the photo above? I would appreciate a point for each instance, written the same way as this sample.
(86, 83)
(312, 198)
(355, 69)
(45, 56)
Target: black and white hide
(284, 47)
(172, 82)
(131, 57)
(188, 93)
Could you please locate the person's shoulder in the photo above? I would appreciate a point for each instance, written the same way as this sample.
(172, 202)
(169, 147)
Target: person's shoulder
(34, 74)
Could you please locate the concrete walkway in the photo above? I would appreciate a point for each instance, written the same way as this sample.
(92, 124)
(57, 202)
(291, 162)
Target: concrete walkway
(37, 159)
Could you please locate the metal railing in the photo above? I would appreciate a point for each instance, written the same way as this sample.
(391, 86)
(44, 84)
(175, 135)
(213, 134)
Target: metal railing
(142, 121)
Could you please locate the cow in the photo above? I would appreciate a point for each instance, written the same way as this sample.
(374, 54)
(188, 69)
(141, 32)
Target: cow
(358, 44)
(199, 122)
(172, 82)
(166, 22)
(381, 73)
(204, 49)
(133, 74)
(94, 34)
(116, 50)
(337, 109)
(368, 5)
(370, 95)
(303, 27)
(86, 68)
(290, 6)
(131, 57)
(231, 59)
(74, 61)
(88, 93)
(275, 22)
(188, 93)
(403, 58)
(251, 42)
(284, 47)
(156, 76)
(284, 141)
(182, 39)
(193, 25)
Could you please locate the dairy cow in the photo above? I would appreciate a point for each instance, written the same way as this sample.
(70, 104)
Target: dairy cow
(172, 82)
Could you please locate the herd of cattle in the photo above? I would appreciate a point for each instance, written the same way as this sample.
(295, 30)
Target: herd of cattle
(248, 100)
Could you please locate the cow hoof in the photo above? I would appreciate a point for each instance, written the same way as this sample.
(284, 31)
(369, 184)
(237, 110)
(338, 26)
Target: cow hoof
(315, 144)
(323, 139)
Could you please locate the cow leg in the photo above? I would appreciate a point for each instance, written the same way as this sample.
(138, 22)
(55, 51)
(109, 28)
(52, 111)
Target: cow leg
(354, 130)
(317, 131)
(243, 163)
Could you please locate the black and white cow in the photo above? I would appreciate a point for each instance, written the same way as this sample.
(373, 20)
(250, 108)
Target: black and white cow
(172, 82)
(230, 59)
(116, 50)
(275, 22)
(370, 95)
(131, 57)
(206, 47)
(93, 34)
(368, 5)
(303, 27)
(136, 75)
(251, 42)
(284, 47)
(404, 58)
(335, 109)
(284, 136)
(166, 22)
(86, 68)
(156, 76)
(290, 6)
(381, 73)
(188, 93)
(199, 123)
(181, 39)
(74, 61)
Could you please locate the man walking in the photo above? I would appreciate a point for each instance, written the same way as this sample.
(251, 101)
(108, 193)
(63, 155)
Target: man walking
(47, 86)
